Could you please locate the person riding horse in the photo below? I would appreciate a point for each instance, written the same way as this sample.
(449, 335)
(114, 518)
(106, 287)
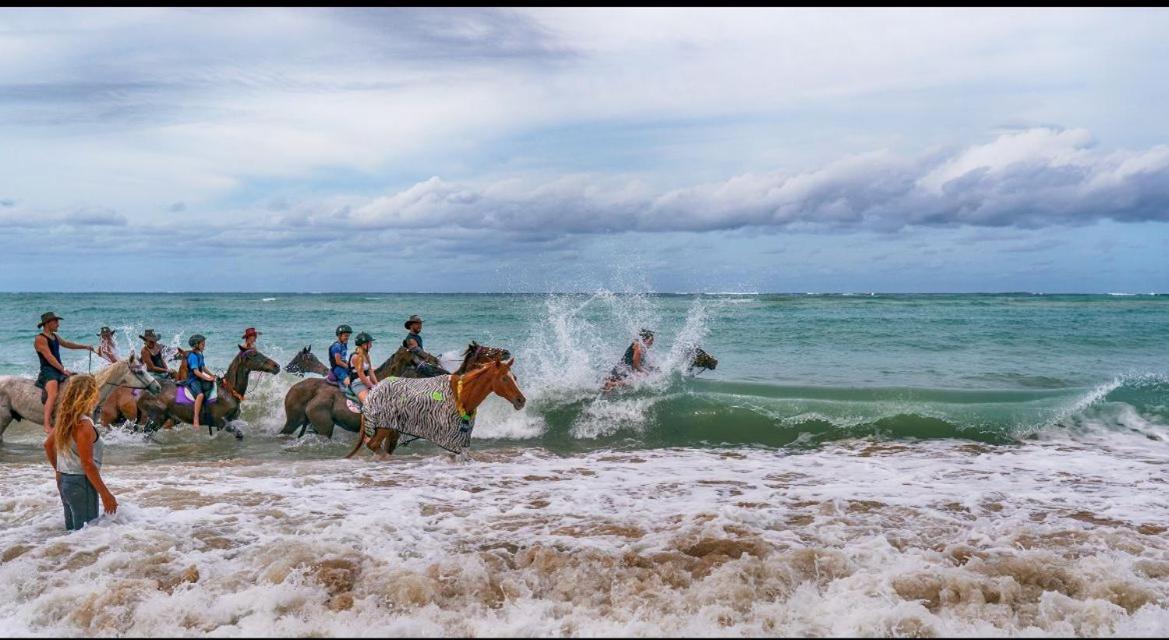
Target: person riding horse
(48, 347)
(361, 370)
(422, 360)
(108, 349)
(200, 381)
(339, 358)
(153, 358)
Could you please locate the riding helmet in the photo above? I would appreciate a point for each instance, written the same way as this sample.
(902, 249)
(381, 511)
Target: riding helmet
(363, 338)
(344, 329)
(195, 339)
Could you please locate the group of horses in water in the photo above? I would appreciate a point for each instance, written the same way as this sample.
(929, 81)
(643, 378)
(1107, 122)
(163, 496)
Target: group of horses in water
(130, 394)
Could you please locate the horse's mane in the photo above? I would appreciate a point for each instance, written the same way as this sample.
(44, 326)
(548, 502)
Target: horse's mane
(103, 376)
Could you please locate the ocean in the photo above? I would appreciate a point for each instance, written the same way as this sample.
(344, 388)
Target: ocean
(858, 464)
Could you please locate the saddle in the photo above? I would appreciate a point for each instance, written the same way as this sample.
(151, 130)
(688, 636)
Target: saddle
(183, 396)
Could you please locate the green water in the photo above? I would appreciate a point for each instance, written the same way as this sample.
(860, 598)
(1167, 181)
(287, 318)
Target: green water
(794, 370)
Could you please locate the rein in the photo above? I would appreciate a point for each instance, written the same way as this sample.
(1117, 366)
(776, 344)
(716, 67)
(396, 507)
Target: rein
(239, 397)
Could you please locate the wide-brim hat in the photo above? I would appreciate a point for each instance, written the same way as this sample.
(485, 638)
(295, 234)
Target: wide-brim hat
(411, 321)
(150, 335)
(251, 331)
(105, 331)
(48, 317)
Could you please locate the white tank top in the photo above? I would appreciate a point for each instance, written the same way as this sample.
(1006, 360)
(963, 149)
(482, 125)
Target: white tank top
(69, 461)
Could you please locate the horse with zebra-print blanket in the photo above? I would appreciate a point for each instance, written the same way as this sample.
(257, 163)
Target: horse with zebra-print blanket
(440, 409)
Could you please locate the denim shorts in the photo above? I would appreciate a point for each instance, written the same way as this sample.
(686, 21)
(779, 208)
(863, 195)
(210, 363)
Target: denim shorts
(79, 498)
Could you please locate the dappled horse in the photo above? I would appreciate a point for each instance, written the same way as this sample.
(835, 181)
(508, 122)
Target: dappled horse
(440, 409)
(230, 389)
(320, 403)
(20, 398)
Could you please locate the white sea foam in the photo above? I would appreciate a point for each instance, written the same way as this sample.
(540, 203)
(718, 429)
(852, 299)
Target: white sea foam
(1059, 537)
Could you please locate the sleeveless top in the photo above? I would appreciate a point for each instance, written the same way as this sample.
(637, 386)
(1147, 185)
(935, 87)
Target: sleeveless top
(353, 377)
(54, 348)
(628, 358)
(417, 338)
(156, 358)
(69, 461)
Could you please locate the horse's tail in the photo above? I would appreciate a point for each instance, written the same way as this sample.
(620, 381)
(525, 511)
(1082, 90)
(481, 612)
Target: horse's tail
(360, 438)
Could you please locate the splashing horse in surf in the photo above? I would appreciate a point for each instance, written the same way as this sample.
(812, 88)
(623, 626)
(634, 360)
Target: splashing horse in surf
(305, 361)
(320, 403)
(440, 409)
(20, 398)
(166, 408)
(696, 358)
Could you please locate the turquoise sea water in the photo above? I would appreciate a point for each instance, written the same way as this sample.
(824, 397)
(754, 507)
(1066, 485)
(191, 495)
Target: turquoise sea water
(857, 465)
(793, 369)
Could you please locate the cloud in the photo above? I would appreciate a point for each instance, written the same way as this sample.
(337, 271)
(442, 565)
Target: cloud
(1029, 178)
(95, 218)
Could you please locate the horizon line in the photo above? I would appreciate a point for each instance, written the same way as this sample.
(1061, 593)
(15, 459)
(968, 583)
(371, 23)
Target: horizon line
(625, 292)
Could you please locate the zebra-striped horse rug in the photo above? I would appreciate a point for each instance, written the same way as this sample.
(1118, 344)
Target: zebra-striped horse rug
(422, 407)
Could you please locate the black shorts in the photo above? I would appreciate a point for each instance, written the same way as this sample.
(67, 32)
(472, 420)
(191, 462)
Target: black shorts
(50, 373)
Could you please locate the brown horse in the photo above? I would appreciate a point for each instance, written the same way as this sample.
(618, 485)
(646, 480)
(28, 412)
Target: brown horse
(121, 405)
(416, 407)
(306, 362)
(161, 408)
(320, 403)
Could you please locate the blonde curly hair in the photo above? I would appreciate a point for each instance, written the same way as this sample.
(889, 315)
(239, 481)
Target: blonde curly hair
(78, 399)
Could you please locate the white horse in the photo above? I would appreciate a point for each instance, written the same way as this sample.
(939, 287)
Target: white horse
(20, 398)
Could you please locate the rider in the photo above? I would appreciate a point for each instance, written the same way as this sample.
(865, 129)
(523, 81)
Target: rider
(361, 371)
(201, 381)
(107, 349)
(152, 356)
(339, 357)
(53, 373)
(249, 338)
(413, 344)
(634, 360)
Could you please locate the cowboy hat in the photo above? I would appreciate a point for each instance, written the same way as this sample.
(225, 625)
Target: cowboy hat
(48, 317)
(412, 320)
(150, 335)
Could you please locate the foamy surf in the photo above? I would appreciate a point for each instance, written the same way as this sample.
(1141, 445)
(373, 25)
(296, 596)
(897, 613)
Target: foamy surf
(859, 538)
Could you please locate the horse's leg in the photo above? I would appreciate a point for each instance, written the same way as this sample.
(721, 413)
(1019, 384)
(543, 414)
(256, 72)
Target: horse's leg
(294, 417)
(320, 416)
(392, 441)
(6, 418)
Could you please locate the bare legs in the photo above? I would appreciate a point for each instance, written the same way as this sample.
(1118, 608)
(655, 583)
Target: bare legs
(50, 400)
(198, 410)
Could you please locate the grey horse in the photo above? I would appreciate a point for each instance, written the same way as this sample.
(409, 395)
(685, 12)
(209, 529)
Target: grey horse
(20, 398)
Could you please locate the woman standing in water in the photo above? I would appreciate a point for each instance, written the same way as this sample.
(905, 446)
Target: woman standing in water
(75, 449)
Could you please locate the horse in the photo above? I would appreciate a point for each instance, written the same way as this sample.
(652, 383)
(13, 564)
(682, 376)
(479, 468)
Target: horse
(20, 398)
(440, 409)
(696, 358)
(231, 387)
(320, 403)
(306, 362)
(122, 404)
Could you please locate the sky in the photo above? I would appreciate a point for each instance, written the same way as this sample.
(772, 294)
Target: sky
(668, 150)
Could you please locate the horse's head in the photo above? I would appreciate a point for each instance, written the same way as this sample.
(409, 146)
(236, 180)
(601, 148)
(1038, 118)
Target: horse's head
(136, 376)
(476, 354)
(252, 360)
(179, 354)
(504, 384)
(305, 362)
(702, 360)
